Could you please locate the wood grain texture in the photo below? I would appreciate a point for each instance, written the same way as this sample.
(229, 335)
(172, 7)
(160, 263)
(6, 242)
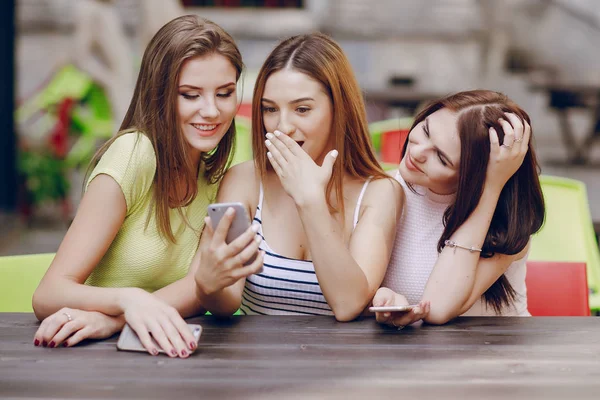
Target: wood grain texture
(298, 357)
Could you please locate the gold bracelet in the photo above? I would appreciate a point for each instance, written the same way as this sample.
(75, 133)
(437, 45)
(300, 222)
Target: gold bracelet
(471, 249)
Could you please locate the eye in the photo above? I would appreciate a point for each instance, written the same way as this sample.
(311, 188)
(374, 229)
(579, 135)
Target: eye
(425, 130)
(302, 110)
(444, 163)
(189, 96)
(226, 94)
(266, 109)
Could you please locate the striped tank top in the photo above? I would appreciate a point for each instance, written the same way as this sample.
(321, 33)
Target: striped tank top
(286, 286)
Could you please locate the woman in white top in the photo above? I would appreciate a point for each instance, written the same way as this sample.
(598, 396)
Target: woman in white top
(473, 199)
(324, 210)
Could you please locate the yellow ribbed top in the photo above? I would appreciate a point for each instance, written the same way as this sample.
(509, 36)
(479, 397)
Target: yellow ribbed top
(139, 256)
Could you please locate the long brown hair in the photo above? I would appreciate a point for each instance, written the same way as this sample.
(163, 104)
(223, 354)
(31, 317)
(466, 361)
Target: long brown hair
(520, 209)
(153, 110)
(322, 59)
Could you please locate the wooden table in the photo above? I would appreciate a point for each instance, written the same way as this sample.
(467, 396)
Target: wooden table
(316, 357)
(564, 98)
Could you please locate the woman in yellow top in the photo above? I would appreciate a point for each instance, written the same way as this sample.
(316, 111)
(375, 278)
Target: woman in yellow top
(138, 225)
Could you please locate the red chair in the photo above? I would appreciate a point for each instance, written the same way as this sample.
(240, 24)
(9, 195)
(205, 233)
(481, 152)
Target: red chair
(391, 145)
(557, 288)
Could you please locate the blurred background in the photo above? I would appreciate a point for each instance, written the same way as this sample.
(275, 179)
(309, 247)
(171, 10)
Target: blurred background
(68, 68)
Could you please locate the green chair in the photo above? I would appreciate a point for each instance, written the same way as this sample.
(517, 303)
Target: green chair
(19, 277)
(568, 232)
(379, 129)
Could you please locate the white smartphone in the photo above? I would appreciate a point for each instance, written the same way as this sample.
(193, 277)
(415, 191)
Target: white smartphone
(405, 308)
(239, 225)
(129, 340)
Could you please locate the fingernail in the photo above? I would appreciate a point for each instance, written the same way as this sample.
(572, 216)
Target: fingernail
(277, 133)
(192, 345)
(184, 353)
(174, 352)
(51, 344)
(417, 310)
(269, 154)
(44, 343)
(65, 344)
(268, 142)
(386, 315)
(334, 153)
(154, 352)
(255, 228)
(230, 211)
(269, 135)
(36, 342)
(258, 239)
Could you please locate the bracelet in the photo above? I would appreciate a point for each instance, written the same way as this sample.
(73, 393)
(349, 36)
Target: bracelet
(471, 249)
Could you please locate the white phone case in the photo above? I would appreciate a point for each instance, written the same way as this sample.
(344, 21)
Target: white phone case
(129, 340)
(239, 225)
(392, 308)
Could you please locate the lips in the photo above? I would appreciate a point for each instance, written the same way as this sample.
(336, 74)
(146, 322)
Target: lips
(205, 130)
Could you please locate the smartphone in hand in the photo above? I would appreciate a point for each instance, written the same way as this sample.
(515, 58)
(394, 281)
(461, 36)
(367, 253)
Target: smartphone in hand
(405, 308)
(129, 340)
(239, 225)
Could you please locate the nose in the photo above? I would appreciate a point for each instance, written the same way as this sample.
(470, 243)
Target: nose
(208, 109)
(418, 152)
(285, 126)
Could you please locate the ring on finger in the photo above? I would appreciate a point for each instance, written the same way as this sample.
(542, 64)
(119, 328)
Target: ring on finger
(508, 146)
(519, 140)
(69, 318)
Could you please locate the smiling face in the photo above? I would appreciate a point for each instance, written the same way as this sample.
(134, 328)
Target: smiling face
(206, 101)
(433, 153)
(298, 106)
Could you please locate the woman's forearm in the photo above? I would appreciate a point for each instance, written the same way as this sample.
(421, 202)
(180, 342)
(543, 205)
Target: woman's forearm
(54, 294)
(452, 280)
(341, 279)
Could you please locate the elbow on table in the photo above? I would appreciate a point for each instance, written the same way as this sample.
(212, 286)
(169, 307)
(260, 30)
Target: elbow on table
(440, 316)
(346, 313)
(37, 303)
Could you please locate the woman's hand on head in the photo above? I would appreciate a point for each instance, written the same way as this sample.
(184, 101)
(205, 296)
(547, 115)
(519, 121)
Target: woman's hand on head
(398, 319)
(300, 176)
(67, 327)
(221, 264)
(507, 157)
(147, 315)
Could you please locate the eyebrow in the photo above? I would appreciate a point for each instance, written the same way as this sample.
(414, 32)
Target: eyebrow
(437, 148)
(199, 88)
(300, 100)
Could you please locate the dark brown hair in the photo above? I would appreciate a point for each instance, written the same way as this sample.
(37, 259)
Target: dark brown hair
(520, 209)
(322, 59)
(153, 110)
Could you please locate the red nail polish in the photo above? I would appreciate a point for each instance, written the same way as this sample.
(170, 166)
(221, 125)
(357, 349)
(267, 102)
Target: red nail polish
(51, 344)
(44, 343)
(192, 345)
(65, 344)
(174, 352)
(184, 353)
(36, 342)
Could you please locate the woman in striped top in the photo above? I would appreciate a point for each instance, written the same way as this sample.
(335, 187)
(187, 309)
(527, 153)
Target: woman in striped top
(324, 211)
